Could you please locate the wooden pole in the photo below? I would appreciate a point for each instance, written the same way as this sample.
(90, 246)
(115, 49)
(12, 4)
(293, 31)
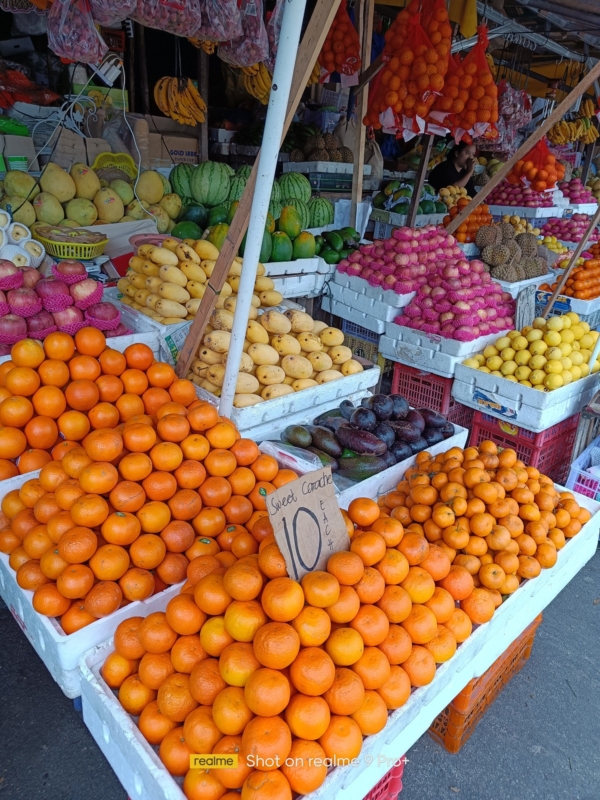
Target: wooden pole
(364, 12)
(576, 253)
(203, 89)
(369, 74)
(310, 47)
(535, 137)
(426, 144)
(587, 163)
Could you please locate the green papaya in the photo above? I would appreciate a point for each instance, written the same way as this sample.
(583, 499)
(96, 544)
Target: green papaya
(304, 246)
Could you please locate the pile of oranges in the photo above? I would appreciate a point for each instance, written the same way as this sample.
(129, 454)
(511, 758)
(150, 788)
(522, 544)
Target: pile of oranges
(470, 95)
(583, 282)
(467, 231)
(541, 176)
(341, 48)
(417, 61)
(289, 674)
(118, 515)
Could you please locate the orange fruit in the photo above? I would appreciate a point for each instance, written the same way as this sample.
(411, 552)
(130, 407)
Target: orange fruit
(342, 739)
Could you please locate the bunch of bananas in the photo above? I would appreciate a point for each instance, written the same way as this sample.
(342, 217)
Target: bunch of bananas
(587, 108)
(179, 99)
(564, 132)
(493, 68)
(257, 82)
(314, 75)
(208, 47)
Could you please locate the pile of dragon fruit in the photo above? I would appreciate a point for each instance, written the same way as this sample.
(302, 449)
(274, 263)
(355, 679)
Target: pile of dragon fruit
(569, 230)
(403, 262)
(576, 191)
(508, 194)
(460, 301)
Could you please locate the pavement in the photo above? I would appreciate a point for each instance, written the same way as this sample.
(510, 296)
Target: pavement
(538, 741)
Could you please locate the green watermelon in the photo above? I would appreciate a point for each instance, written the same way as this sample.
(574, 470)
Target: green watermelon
(276, 193)
(197, 214)
(210, 183)
(290, 222)
(230, 170)
(302, 209)
(232, 209)
(218, 214)
(282, 247)
(187, 230)
(321, 212)
(428, 207)
(244, 171)
(294, 186)
(236, 190)
(218, 234)
(440, 208)
(275, 209)
(180, 178)
(304, 246)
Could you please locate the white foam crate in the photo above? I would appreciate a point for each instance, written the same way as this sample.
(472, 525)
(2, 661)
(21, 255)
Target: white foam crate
(383, 230)
(515, 287)
(143, 776)
(528, 408)
(361, 286)
(581, 208)
(588, 310)
(330, 167)
(298, 285)
(59, 652)
(273, 414)
(470, 249)
(362, 302)
(354, 315)
(528, 213)
(302, 266)
(394, 219)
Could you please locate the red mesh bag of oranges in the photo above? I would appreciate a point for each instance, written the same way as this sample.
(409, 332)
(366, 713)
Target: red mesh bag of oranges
(539, 169)
(341, 49)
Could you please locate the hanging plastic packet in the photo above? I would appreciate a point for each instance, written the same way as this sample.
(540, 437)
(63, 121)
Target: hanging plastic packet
(72, 34)
(539, 169)
(252, 46)
(341, 48)
(273, 33)
(174, 16)
(112, 12)
(221, 21)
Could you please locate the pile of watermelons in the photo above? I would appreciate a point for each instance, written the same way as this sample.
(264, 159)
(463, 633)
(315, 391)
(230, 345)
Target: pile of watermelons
(359, 442)
(397, 194)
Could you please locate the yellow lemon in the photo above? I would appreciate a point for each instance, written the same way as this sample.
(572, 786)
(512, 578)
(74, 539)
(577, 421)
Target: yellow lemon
(507, 354)
(522, 373)
(585, 370)
(553, 366)
(540, 387)
(485, 369)
(534, 335)
(471, 362)
(586, 326)
(537, 348)
(555, 324)
(596, 367)
(578, 330)
(511, 378)
(537, 376)
(586, 355)
(539, 323)
(490, 351)
(567, 377)
(553, 382)
(526, 383)
(553, 352)
(520, 343)
(567, 335)
(566, 322)
(513, 334)
(575, 372)
(480, 359)
(572, 316)
(537, 362)
(495, 362)
(576, 358)
(566, 362)
(576, 345)
(586, 341)
(565, 348)
(501, 343)
(496, 373)
(508, 368)
(552, 338)
(523, 357)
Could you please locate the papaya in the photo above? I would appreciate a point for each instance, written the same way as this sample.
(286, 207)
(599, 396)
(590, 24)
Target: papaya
(265, 250)
(282, 247)
(304, 246)
(218, 234)
(290, 222)
(232, 209)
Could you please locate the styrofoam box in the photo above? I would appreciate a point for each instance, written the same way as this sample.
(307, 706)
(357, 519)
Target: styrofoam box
(528, 408)
(565, 303)
(581, 208)
(274, 414)
(361, 286)
(354, 315)
(298, 285)
(395, 219)
(514, 288)
(362, 302)
(143, 776)
(470, 249)
(302, 266)
(331, 167)
(59, 652)
(528, 213)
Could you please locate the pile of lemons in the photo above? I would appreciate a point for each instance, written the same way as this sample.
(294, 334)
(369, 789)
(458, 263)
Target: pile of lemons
(544, 356)
(552, 243)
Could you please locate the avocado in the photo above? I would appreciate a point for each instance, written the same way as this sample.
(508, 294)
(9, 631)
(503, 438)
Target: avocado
(361, 442)
(330, 256)
(325, 440)
(345, 253)
(334, 412)
(346, 409)
(326, 461)
(361, 467)
(384, 432)
(297, 435)
(382, 406)
(349, 233)
(364, 419)
(349, 453)
(333, 423)
(379, 200)
(334, 240)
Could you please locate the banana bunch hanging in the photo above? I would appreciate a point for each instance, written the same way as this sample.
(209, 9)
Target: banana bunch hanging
(493, 68)
(179, 99)
(587, 108)
(565, 132)
(208, 47)
(257, 82)
(314, 75)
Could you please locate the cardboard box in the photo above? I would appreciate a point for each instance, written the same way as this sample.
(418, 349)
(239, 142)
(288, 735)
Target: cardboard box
(73, 149)
(172, 143)
(18, 152)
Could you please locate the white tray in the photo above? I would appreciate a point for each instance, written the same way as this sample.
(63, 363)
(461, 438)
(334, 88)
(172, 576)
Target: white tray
(362, 302)
(59, 652)
(528, 213)
(143, 776)
(331, 167)
(528, 408)
(302, 266)
(361, 286)
(367, 321)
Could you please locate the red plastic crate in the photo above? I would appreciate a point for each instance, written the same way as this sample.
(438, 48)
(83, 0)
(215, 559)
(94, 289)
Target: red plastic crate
(424, 390)
(390, 785)
(457, 721)
(549, 451)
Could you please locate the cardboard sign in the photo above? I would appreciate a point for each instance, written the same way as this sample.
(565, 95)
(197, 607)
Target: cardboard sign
(307, 522)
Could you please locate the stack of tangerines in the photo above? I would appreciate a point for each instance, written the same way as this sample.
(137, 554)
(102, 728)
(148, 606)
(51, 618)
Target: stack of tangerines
(288, 675)
(118, 516)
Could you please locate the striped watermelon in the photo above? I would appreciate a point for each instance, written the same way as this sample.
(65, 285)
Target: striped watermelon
(303, 211)
(275, 209)
(244, 171)
(294, 186)
(230, 170)
(236, 190)
(321, 212)
(180, 178)
(276, 192)
(210, 183)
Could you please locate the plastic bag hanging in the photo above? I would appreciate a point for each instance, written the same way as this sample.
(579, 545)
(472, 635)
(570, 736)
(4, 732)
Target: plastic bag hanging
(273, 34)
(112, 12)
(539, 169)
(341, 48)
(253, 45)
(179, 17)
(72, 34)
(475, 107)
(221, 21)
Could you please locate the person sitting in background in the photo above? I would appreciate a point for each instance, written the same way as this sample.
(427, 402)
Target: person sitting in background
(456, 170)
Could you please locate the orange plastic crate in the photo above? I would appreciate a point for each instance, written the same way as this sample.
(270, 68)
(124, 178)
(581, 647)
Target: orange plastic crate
(457, 721)
(390, 786)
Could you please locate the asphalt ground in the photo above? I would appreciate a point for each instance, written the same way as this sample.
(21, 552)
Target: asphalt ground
(538, 741)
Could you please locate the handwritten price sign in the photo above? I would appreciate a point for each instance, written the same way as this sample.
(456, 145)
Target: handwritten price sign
(307, 522)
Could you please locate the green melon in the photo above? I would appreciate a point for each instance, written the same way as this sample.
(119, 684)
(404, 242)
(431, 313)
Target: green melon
(304, 246)
(197, 214)
(187, 230)
(302, 209)
(276, 192)
(236, 190)
(282, 247)
(321, 212)
(290, 222)
(218, 214)
(294, 186)
(210, 183)
(275, 209)
(218, 234)
(244, 171)
(230, 170)
(179, 179)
